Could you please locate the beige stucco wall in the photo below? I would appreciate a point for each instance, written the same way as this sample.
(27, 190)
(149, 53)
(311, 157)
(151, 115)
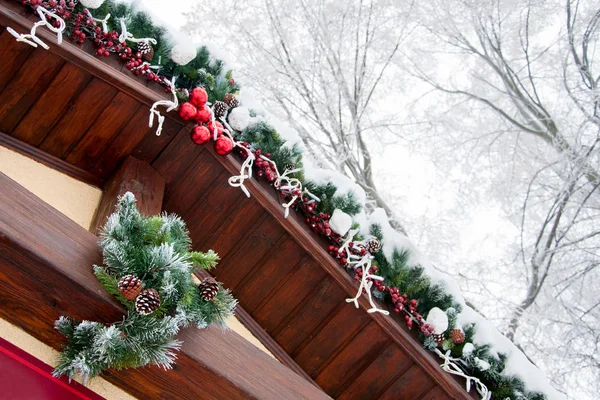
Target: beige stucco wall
(77, 201)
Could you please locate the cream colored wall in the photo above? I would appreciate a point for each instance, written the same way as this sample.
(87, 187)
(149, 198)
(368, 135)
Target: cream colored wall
(77, 201)
(73, 198)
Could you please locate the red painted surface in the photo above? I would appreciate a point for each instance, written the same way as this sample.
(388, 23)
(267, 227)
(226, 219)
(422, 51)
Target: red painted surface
(24, 377)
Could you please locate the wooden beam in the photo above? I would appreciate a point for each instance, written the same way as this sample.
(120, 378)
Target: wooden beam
(45, 272)
(133, 176)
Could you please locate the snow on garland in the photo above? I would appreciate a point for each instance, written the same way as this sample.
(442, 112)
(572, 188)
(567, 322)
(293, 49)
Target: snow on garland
(380, 264)
(148, 266)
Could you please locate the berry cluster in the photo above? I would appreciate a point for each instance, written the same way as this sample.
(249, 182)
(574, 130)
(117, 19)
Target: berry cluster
(197, 110)
(62, 8)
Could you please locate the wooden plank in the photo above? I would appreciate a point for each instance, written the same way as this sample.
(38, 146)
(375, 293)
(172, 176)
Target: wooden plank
(45, 272)
(195, 184)
(49, 160)
(177, 157)
(10, 16)
(351, 362)
(258, 332)
(152, 145)
(276, 308)
(271, 272)
(436, 394)
(106, 127)
(324, 344)
(249, 251)
(26, 87)
(123, 145)
(137, 177)
(224, 238)
(314, 311)
(51, 105)
(411, 385)
(379, 375)
(78, 118)
(14, 55)
(317, 247)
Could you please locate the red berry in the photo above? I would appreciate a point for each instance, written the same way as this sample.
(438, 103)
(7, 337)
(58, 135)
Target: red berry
(187, 111)
(198, 97)
(223, 146)
(201, 134)
(202, 115)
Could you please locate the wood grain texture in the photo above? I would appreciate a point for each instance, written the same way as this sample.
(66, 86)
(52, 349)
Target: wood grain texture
(133, 133)
(105, 128)
(411, 385)
(78, 118)
(51, 105)
(26, 86)
(45, 271)
(11, 14)
(366, 345)
(275, 309)
(14, 55)
(137, 177)
(436, 394)
(379, 375)
(49, 160)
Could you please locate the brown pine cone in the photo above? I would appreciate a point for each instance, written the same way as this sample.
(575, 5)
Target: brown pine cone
(208, 289)
(130, 286)
(231, 100)
(147, 302)
(457, 336)
(220, 108)
(373, 245)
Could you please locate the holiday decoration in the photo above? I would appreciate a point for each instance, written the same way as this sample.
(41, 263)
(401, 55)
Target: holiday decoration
(198, 97)
(171, 300)
(187, 112)
(146, 50)
(215, 126)
(129, 287)
(147, 302)
(208, 289)
(457, 336)
(373, 245)
(438, 319)
(201, 134)
(91, 3)
(231, 100)
(183, 53)
(239, 118)
(223, 146)
(202, 116)
(157, 249)
(220, 108)
(340, 222)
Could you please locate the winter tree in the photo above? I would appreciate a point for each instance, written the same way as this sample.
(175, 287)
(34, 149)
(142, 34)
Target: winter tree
(527, 68)
(325, 66)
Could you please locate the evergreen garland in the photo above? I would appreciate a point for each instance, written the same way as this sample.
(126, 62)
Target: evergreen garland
(157, 250)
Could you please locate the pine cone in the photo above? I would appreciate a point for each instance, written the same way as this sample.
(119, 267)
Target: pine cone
(231, 100)
(289, 167)
(220, 108)
(146, 50)
(130, 286)
(457, 336)
(208, 289)
(373, 245)
(147, 302)
(439, 339)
